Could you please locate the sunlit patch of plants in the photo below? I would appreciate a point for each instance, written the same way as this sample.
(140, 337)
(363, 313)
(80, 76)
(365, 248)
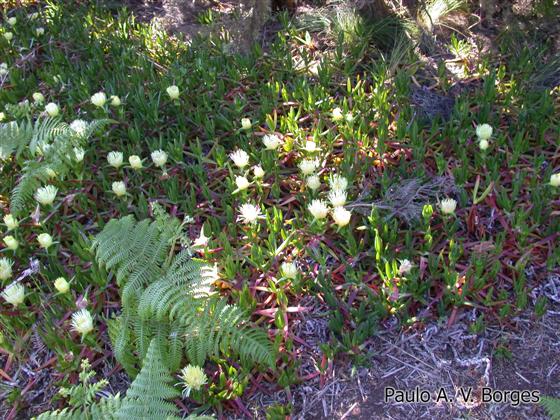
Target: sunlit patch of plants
(174, 204)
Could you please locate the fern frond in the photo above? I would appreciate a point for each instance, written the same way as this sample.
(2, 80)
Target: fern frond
(105, 409)
(14, 137)
(120, 336)
(552, 407)
(148, 395)
(34, 174)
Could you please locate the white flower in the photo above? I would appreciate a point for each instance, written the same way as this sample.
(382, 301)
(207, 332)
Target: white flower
(483, 144)
(11, 222)
(135, 162)
(3, 69)
(45, 240)
(61, 285)
(201, 241)
(159, 157)
(52, 109)
(79, 127)
(289, 270)
(99, 99)
(249, 213)
(79, 154)
(271, 141)
(319, 209)
(38, 98)
(242, 183)
(12, 21)
(313, 182)
(258, 171)
(14, 294)
(484, 131)
(115, 100)
(246, 123)
(11, 242)
(40, 31)
(308, 166)
(82, 322)
(240, 158)
(2, 117)
(337, 198)
(8, 36)
(119, 188)
(405, 267)
(448, 206)
(193, 378)
(338, 182)
(349, 117)
(5, 268)
(337, 114)
(310, 146)
(173, 92)
(555, 180)
(341, 216)
(115, 159)
(46, 195)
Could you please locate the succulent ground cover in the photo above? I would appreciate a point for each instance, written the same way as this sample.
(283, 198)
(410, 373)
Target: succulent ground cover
(217, 229)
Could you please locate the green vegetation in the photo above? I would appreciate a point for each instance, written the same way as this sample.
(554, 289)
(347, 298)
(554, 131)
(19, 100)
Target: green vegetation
(170, 205)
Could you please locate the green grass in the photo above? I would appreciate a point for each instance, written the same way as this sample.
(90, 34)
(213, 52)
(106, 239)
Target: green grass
(505, 222)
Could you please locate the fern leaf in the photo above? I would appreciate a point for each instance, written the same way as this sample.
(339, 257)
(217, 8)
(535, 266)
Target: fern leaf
(552, 407)
(148, 395)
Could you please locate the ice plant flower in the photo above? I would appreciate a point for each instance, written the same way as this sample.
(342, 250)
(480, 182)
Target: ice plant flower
(3, 69)
(79, 127)
(337, 198)
(249, 213)
(311, 146)
(192, 378)
(483, 144)
(115, 100)
(240, 158)
(338, 182)
(289, 270)
(40, 31)
(82, 322)
(308, 166)
(99, 99)
(119, 188)
(159, 157)
(8, 36)
(5, 268)
(448, 206)
(337, 114)
(115, 159)
(46, 195)
(318, 209)
(135, 162)
(38, 98)
(271, 141)
(258, 171)
(11, 222)
(12, 21)
(405, 267)
(45, 240)
(173, 92)
(52, 109)
(349, 117)
(246, 123)
(14, 294)
(79, 154)
(555, 180)
(61, 285)
(313, 182)
(484, 131)
(242, 183)
(341, 216)
(11, 242)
